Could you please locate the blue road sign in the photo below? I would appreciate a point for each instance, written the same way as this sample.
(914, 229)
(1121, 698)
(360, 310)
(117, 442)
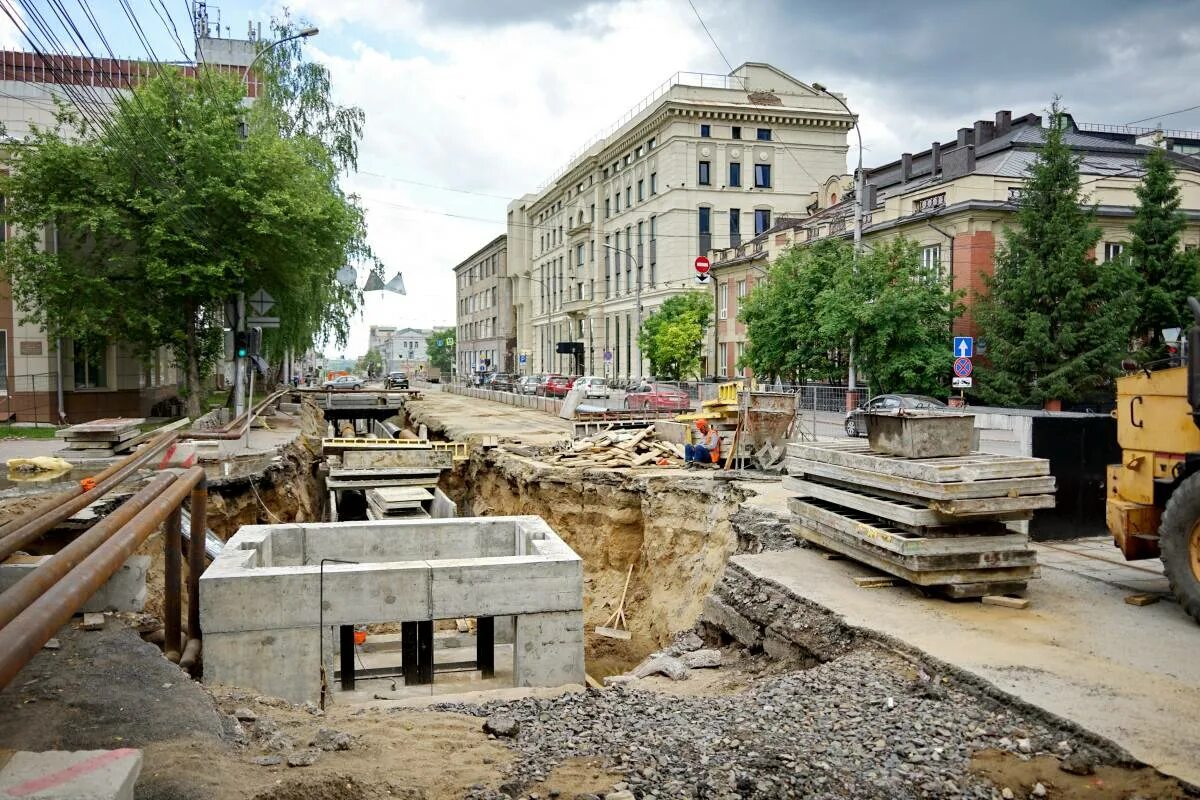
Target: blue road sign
(964, 346)
(521, 358)
(962, 366)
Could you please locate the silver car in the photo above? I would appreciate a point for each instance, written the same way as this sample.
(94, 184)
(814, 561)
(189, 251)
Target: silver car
(856, 420)
(593, 386)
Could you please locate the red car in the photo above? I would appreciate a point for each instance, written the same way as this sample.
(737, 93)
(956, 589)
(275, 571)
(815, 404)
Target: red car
(556, 386)
(657, 397)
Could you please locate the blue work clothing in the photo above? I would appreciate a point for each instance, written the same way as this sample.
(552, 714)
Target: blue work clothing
(698, 453)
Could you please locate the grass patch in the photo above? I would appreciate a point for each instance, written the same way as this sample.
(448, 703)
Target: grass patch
(10, 431)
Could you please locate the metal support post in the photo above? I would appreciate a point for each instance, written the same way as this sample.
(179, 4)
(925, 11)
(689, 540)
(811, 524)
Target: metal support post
(425, 651)
(172, 574)
(408, 653)
(239, 364)
(250, 405)
(346, 643)
(485, 646)
(199, 527)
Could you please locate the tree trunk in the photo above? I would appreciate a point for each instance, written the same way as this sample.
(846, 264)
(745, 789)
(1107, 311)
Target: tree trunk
(192, 366)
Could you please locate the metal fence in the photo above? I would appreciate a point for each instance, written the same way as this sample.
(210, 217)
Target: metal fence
(30, 398)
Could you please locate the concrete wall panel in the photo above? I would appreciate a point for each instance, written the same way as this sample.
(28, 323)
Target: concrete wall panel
(549, 649)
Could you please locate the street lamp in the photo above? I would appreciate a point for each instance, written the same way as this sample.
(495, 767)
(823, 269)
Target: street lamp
(306, 33)
(858, 208)
(637, 301)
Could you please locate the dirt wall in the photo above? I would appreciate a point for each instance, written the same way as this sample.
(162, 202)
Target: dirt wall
(674, 528)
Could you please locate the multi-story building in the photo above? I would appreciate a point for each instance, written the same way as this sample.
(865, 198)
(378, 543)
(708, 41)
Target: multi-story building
(406, 349)
(378, 337)
(48, 380)
(954, 200)
(485, 340)
(705, 161)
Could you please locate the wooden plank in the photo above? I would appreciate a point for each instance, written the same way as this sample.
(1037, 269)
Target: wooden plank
(1000, 487)
(964, 511)
(898, 511)
(905, 543)
(886, 562)
(951, 469)
(378, 483)
(1007, 602)
(385, 472)
(875, 581)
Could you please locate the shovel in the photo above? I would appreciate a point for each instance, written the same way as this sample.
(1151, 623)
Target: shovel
(617, 627)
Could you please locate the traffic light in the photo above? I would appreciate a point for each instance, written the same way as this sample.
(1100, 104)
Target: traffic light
(241, 344)
(254, 341)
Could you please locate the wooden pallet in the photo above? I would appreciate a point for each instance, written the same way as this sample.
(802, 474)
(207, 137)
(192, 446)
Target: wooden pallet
(951, 469)
(911, 511)
(996, 488)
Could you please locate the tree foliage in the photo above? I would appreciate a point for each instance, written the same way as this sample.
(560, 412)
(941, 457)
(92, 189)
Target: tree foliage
(441, 349)
(672, 338)
(370, 363)
(166, 211)
(817, 298)
(1167, 275)
(1056, 322)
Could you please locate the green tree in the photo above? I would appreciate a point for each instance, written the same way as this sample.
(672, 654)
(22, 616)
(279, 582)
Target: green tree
(440, 346)
(784, 335)
(1167, 274)
(370, 363)
(898, 312)
(165, 211)
(1055, 321)
(672, 338)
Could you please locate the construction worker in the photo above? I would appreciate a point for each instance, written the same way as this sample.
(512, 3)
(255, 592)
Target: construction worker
(707, 450)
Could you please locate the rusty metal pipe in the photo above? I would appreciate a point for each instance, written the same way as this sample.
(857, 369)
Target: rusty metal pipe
(196, 556)
(242, 422)
(22, 638)
(38, 581)
(172, 574)
(191, 654)
(52, 515)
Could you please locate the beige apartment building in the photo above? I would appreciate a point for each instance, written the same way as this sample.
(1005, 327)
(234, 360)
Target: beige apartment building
(955, 200)
(706, 161)
(485, 340)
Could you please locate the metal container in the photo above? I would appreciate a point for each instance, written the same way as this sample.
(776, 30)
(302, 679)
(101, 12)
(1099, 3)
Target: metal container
(921, 435)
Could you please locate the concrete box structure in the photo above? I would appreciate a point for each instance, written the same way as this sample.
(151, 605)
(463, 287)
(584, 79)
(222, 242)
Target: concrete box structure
(124, 591)
(262, 614)
(72, 774)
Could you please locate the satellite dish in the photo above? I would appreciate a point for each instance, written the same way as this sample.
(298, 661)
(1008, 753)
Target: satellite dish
(396, 284)
(374, 283)
(347, 276)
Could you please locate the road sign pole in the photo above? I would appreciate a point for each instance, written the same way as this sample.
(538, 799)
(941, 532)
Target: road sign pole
(239, 364)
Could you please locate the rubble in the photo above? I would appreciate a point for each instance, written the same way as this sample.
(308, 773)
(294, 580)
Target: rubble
(619, 448)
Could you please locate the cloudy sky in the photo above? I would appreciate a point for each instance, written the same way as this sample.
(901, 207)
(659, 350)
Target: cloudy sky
(472, 102)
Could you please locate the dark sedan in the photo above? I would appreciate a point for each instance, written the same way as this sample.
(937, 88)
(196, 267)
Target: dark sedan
(856, 420)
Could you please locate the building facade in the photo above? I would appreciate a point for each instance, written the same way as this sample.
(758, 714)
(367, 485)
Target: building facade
(48, 380)
(485, 339)
(955, 200)
(406, 349)
(708, 161)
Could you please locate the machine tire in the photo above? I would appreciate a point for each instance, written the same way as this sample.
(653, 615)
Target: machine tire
(851, 427)
(1179, 543)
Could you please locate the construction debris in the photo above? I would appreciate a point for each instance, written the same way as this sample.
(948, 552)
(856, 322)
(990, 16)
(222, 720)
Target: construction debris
(940, 522)
(101, 438)
(620, 448)
(1006, 602)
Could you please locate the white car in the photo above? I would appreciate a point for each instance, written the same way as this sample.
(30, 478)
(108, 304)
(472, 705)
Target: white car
(593, 386)
(344, 382)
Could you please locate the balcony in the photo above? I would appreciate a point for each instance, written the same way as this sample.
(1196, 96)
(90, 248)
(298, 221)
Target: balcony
(580, 227)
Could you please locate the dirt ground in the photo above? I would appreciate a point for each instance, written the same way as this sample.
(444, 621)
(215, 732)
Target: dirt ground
(1007, 770)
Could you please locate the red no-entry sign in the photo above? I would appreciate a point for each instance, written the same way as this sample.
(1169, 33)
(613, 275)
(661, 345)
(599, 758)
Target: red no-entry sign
(702, 265)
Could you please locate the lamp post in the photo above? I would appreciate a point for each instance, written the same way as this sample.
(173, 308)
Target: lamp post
(637, 302)
(239, 379)
(858, 210)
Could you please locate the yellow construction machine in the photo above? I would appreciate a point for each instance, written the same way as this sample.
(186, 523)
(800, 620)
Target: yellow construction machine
(1153, 506)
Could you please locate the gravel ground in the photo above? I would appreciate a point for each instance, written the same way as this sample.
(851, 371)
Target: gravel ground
(867, 725)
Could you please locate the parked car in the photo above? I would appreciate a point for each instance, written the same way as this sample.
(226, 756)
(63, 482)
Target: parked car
(856, 419)
(396, 380)
(528, 384)
(502, 382)
(555, 386)
(344, 382)
(593, 386)
(657, 397)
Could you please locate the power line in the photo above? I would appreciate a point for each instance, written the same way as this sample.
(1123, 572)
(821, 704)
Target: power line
(710, 36)
(435, 186)
(1160, 116)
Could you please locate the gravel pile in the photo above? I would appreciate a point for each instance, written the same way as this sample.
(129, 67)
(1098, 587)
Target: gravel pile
(867, 725)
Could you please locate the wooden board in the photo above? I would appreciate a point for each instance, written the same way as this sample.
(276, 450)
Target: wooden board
(973, 552)
(402, 494)
(399, 457)
(379, 483)
(963, 490)
(914, 512)
(109, 427)
(949, 469)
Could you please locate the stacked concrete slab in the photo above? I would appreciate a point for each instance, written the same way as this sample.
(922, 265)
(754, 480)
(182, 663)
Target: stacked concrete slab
(264, 620)
(940, 522)
(101, 438)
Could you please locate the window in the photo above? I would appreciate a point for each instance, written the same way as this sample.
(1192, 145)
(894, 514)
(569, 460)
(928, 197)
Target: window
(762, 220)
(650, 144)
(628, 158)
(607, 208)
(1113, 250)
(641, 191)
(737, 131)
(628, 196)
(735, 173)
(653, 183)
(741, 288)
(723, 361)
(705, 131)
(735, 227)
(741, 351)
(705, 229)
(579, 254)
(705, 168)
(592, 209)
(723, 300)
(617, 202)
(931, 258)
(638, 152)
(764, 134)
(91, 367)
(762, 176)
(653, 246)
(607, 268)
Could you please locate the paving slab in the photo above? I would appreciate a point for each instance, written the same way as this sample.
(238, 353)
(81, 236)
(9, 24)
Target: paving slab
(72, 774)
(1125, 672)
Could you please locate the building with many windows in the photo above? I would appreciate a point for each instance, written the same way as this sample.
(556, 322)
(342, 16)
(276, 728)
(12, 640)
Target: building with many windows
(484, 340)
(706, 161)
(954, 200)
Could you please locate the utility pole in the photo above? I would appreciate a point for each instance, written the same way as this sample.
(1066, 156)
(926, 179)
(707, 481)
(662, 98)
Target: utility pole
(852, 378)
